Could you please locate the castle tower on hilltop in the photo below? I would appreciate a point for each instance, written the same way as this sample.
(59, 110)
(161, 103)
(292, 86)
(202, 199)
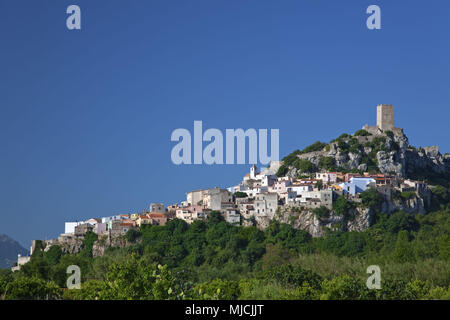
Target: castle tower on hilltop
(385, 121)
(385, 116)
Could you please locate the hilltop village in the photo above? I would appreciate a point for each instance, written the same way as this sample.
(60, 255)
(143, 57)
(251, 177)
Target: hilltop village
(371, 168)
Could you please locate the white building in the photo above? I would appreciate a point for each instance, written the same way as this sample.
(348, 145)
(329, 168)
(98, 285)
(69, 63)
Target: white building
(265, 204)
(20, 262)
(327, 177)
(217, 199)
(232, 216)
(265, 178)
(190, 214)
(256, 190)
(69, 227)
(300, 188)
(324, 196)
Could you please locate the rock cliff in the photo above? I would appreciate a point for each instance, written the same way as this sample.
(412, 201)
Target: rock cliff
(380, 151)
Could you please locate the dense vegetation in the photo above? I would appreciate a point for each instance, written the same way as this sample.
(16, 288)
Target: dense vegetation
(215, 260)
(303, 165)
(346, 144)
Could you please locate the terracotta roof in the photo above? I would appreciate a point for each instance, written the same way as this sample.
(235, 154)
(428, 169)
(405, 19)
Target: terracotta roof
(127, 224)
(157, 215)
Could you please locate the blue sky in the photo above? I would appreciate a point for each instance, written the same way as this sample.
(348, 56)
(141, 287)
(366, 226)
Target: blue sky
(86, 116)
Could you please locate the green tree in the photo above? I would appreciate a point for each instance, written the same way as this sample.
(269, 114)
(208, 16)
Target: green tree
(275, 255)
(343, 288)
(31, 288)
(132, 235)
(403, 251)
(316, 146)
(327, 163)
(135, 279)
(289, 275)
(88, 244)
(322, 212)
(217, 289)
(53, 255)
(444, 247)
(342, 206)
(362, 133)
(240, 194)
(304, 165)
(371, 198)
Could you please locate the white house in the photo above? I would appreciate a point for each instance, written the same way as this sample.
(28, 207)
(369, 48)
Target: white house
(70, 226)
(300, 188)
(232, 216)
(327, 177)
(356, 185)
(266, 204)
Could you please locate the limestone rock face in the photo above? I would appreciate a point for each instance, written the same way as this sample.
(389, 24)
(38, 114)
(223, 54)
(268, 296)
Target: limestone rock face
(389, 151)
(69, 244)
(307, 221)
(432, 152)
(363, 220)
(427, 159)
(72, 244)
(104, 242)
(388, 163)
(354, 160)
(360, 219)
(341, 158)
(362, 167)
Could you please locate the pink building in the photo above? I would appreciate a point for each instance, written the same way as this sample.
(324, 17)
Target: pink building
(327, 177)
(280, 186)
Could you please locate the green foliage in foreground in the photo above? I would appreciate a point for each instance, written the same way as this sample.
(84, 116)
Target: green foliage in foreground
(215, 260)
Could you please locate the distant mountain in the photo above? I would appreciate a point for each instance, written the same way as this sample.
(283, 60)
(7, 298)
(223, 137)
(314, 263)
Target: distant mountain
(9, 249)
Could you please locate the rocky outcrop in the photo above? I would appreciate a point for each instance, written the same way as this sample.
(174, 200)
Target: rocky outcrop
(106, 241)
(69, 243)
(73, 244)
(305, 220)
(427, 159)
(388, 152)
(363, 219)
(357, 219)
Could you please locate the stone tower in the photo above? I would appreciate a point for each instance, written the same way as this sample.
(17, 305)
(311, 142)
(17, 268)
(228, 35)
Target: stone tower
(385, 116)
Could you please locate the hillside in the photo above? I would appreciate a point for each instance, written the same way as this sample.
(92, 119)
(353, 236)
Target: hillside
(9, 249)
(215, 260)
(318, 248)
(377, 151)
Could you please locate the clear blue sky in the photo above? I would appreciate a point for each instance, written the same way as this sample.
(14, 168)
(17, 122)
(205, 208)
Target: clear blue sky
(86, 116)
